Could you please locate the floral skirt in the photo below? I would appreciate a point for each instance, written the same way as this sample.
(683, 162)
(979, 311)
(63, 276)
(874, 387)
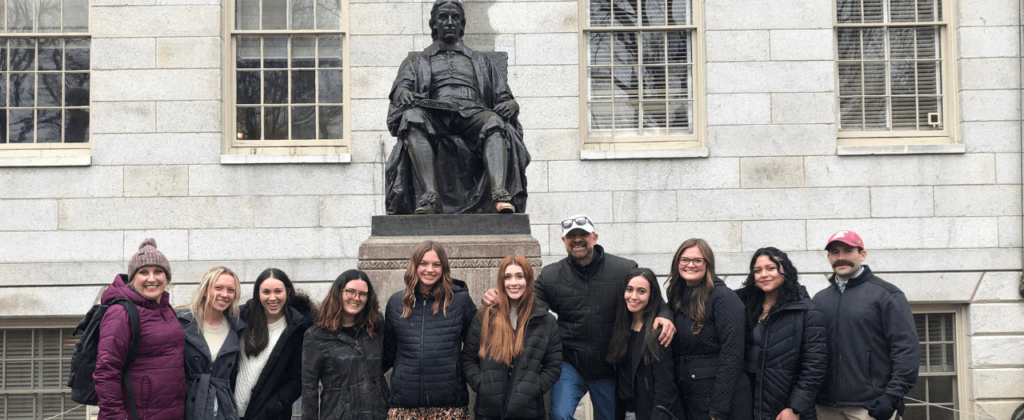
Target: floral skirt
(429, 413)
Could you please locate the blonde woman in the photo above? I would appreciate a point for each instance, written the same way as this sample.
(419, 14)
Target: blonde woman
(212, 345)
(423, 330)
(709, 341)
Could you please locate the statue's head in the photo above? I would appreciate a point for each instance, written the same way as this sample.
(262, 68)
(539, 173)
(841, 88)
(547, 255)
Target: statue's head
(447, 21)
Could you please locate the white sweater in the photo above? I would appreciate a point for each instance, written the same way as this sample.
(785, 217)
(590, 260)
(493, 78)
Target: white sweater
(249, 369)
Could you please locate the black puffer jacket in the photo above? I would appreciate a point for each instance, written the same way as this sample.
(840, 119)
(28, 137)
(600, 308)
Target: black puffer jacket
(873, 347)
(516, 392)
(425, 349)
(349, 368)
(709, 365)
(280, 383)
(207, 381)
(655, 395)
(792, 356)
(585, 299)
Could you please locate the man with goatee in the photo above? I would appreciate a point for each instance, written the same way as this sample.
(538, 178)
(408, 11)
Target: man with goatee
(873, 349)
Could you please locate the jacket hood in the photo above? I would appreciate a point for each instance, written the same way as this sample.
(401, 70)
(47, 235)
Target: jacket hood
(119, 289)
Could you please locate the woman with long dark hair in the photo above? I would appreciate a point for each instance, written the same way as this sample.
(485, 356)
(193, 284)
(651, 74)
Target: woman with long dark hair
(212, 345)
(645, 380)
(268, 376)
(786, 353)
(343, 352)
(423, 332)
(709, 337)
(512, 354)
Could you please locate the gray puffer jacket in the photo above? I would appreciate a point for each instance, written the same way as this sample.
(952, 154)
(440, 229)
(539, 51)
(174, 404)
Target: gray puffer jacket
(349, 368)
(208, 383)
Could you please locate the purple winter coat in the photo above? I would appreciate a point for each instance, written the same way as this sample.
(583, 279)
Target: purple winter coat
(158, 373)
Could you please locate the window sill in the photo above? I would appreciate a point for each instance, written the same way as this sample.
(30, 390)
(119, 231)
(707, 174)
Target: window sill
(692, 152)
(42, 161)
(260, 159)
(901, 149)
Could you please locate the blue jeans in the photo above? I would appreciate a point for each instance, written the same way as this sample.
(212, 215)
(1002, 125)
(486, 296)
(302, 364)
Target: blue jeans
(571, 387)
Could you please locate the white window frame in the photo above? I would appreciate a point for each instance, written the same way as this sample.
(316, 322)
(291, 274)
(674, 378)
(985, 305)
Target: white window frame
(35, 325)
(50, 154)
(236, 151)
(907, 142)
(646, 147)
(961, 347)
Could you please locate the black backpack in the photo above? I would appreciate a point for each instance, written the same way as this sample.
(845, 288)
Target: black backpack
(83, 362)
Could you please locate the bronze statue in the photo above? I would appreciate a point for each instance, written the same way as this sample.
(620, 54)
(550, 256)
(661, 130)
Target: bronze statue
(460, 145)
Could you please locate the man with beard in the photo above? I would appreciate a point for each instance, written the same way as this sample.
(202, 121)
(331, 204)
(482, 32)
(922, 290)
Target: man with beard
(873, 348)
(584, 290)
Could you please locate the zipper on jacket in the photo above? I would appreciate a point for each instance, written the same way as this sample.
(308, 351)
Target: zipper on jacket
(839, 356)
(423, 331)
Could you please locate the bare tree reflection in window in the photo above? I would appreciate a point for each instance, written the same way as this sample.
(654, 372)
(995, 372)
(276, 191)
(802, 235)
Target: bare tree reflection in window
(275, 123)
(22, 125)
(49, 125)
(20, 14)
(48, 15)
(303, 122)
(331, 124)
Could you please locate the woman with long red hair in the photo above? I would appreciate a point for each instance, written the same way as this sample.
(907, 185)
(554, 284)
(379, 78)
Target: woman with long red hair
(512, 354)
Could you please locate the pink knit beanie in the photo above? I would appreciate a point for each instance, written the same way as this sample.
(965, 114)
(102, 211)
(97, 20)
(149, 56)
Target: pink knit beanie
(148, 255)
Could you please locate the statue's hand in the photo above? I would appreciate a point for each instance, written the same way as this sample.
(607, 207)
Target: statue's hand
(507, 109)
(406, 98)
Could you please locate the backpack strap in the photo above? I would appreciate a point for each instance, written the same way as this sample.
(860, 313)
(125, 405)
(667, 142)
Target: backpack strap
(133, 351)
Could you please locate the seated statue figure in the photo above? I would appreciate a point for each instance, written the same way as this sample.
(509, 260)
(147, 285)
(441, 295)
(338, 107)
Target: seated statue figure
(460, 145)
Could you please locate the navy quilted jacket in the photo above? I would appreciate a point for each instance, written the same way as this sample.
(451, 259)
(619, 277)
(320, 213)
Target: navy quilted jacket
(424, 350)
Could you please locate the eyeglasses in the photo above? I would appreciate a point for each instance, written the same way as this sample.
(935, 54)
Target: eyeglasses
(579, 221)
(352, 292)
(697, 262)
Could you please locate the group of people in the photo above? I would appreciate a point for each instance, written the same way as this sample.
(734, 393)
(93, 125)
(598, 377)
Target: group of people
(590, 323)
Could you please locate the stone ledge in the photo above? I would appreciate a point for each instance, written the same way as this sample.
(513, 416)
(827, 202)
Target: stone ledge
(260, 159)
(902, 149)
(29, 161)
(693, 152)
(451, 224)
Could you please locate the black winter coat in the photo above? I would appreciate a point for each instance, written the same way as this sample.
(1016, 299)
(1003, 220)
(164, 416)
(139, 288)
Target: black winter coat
(586, 306)
(655, 394)
(873, 347)
(206, 382)
(349, 368)
(425, 350)
(709, 365)
(792, 356)
(280, 383)
(517, 391)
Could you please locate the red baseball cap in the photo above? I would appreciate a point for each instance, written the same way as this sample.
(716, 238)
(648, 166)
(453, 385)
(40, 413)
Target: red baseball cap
(848, 237)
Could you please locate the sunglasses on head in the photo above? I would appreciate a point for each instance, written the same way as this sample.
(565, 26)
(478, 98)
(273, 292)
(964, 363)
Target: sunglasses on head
(579, 221)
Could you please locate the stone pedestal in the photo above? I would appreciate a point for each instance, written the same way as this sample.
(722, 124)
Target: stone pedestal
(475, 243)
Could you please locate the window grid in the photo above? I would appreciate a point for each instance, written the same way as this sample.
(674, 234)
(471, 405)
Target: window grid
(34, 365)
(322, 115)
(890, 66)
(937, 374)
(639, 72)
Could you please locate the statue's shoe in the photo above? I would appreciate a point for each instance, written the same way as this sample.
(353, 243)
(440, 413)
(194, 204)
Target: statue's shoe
(504, 208)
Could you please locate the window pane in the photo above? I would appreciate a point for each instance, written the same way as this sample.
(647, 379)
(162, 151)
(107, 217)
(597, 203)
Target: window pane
(303, 122)
(928, 78)
(874, 78)
(19, 15)
(331, 122)
(679, 82)
(76, 126)
(929, 10)
(275, 87)
(679, 12)
(599, 49)
(49, 15)
(904, 113)
(678, 47)
(274, 14)
(3, 51)
(626, 86)
(654, 82)
(330, 50)
(275, 52)
(600, 81)
(22, 125)
(851, 113)
(328, 14)
(848, 44)
(627, 117)
(850, 79)
(941, 389)
(247, 14)
(51, 54)
(49, 126)
(875, 114)
(247, 52)
(302, 14)
(848, 11)
(624, 13)
(330, 91)
(3, 92)
(76, 91)
(275, 123)
(600, 117)
(3, 139)
(653, 47)
(928, 43)
(874, 43)
(22, 90)
(901, 43)
(600, 12)
(625, 48)
(303, 87)
(23, 54)
(873, 11)
(653, 12)
(654, 116)
(76, 54)
(902, 11)
(76, 15)
(680, 114)
(303, 51)
(247, 87)
(903, 78)
(247, 123)
(51, 89)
